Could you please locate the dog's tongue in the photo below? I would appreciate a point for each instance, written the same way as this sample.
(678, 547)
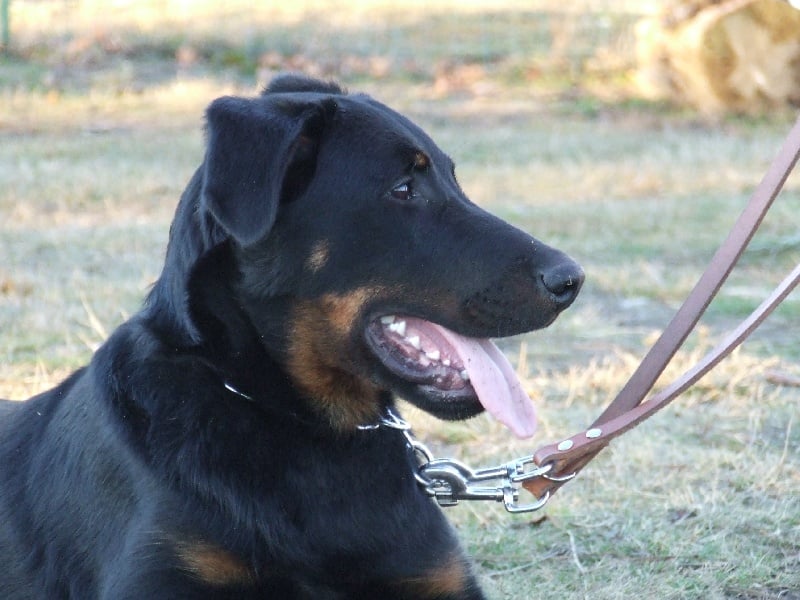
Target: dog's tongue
(494, 381)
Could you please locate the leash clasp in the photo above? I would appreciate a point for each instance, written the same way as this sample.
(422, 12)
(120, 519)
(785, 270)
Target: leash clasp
(449, 481)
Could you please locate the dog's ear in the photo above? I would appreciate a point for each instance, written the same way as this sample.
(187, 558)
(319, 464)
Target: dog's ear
(260, 151)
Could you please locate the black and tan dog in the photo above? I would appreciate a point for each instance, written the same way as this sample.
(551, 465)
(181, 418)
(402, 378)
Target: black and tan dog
(322, 258)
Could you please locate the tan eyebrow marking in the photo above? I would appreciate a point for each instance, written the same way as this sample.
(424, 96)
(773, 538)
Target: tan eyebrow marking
(421, 160)
(319, 256)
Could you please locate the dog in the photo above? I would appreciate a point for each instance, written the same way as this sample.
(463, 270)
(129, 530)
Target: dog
(226, 441)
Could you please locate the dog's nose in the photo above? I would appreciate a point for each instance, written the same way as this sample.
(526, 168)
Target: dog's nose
(563, 281)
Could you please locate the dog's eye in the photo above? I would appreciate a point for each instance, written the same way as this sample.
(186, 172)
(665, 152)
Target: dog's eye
(403, 192)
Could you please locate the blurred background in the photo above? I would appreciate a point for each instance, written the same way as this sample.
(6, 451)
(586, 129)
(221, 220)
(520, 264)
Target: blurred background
(629, 134)
(713, 55)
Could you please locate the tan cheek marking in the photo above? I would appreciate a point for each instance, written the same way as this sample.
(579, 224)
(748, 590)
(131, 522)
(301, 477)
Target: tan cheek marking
(321, 362)
(213, 565)
(342, 311)
(319, 256)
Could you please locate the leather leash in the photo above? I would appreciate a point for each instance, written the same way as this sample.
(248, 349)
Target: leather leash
(560, 462)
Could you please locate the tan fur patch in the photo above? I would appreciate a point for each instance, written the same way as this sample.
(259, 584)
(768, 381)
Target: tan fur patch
(448, 579)
(319, 256)
(212, 564)
(421, 161)
(321, 361)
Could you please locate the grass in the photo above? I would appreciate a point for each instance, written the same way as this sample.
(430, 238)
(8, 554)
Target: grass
(703, 501)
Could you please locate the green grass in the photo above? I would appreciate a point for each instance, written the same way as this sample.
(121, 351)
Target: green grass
(703, 501)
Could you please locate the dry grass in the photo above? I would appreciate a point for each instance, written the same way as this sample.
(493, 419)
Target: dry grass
(703, 501)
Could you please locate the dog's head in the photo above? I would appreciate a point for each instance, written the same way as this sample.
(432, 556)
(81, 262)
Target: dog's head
(362, 264)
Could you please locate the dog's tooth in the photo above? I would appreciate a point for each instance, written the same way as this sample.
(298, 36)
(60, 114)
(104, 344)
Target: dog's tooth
(446, 362)
(387, 320)
(414, 341)
(434, 355)
(399, 327)
(464, 375)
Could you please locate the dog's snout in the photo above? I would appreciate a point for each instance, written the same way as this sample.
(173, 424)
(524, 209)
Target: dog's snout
(563, 281)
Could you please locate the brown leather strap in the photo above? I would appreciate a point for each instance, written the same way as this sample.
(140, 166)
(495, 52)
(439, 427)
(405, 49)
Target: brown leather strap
(627, 410)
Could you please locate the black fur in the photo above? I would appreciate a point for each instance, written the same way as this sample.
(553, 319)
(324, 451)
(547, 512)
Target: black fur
(144, 476)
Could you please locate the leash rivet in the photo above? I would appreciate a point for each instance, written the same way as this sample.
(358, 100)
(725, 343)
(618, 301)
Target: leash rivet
(565, 445)
(594, 433)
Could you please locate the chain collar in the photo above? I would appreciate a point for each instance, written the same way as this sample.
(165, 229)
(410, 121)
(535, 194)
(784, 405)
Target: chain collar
(448, 480)
(233, 390)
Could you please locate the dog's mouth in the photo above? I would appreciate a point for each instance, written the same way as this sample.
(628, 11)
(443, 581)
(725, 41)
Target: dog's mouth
(454, 373)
